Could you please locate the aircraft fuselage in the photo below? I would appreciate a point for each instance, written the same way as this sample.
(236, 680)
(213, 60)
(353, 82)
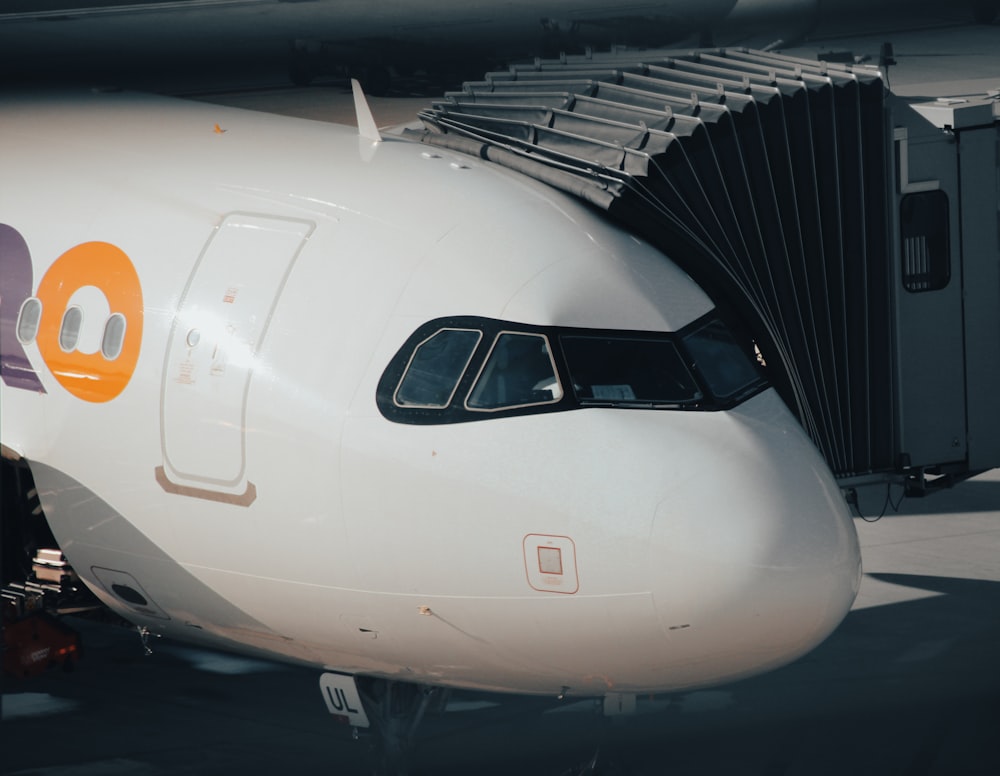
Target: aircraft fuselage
(209, 320)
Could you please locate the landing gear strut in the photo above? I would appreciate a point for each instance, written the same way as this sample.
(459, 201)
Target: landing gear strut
(396, 710)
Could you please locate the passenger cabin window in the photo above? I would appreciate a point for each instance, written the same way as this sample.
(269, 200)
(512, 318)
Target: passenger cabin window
(69, 331)
(624, 370)
(114, 337)
(437, 366)
(27, 321)
(519, 372)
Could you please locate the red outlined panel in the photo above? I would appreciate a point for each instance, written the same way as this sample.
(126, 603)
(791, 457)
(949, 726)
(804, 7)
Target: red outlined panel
(550, 563)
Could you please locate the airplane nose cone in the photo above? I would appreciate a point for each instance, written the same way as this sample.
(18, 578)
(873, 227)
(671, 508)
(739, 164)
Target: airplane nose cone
(755, 560)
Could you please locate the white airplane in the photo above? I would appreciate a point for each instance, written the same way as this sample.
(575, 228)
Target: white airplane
(357, 404)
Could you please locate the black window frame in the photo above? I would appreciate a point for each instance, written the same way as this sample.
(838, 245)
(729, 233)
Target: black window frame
(457, 411)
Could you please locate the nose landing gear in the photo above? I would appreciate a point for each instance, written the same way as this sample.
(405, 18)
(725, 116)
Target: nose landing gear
(391, 710)
(396, 710)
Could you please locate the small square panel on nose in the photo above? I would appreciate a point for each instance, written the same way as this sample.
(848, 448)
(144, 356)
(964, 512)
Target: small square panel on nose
(550, 563)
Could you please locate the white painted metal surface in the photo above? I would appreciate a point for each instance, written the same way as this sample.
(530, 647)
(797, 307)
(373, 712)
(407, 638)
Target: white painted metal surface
(706, 545)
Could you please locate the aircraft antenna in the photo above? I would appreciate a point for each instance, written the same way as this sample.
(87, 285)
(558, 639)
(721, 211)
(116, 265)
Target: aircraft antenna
(367, 127)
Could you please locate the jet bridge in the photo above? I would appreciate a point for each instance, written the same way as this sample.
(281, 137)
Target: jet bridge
(851, 236)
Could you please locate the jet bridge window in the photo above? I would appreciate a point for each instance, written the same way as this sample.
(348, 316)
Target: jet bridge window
(519, 372)
(923, 221)
(616, 370)
(434, 370)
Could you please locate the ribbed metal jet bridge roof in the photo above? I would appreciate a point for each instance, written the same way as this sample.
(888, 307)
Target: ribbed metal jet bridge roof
(763, 176)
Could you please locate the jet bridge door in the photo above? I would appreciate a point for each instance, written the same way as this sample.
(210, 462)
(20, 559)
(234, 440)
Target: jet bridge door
(212, 353)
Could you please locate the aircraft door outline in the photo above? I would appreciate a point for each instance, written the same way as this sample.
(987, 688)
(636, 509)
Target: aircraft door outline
(220, 323)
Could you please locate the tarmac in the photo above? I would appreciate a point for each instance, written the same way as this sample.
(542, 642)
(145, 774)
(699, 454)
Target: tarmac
(909, 684)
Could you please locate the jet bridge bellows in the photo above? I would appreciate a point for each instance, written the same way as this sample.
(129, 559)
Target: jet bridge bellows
(785, 187)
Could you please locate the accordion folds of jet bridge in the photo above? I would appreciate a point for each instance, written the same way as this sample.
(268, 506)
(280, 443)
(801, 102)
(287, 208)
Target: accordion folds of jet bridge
(851, 235)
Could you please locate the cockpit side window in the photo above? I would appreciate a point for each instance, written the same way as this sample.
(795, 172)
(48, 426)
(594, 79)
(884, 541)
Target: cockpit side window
(622, 370)
(721, 362)
(436, 367)
(519, 372)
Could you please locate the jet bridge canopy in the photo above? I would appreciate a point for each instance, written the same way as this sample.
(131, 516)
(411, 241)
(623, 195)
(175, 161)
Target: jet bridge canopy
(784, 187)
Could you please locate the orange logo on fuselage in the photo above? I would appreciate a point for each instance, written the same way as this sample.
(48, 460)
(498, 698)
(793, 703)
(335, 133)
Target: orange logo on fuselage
(86, 318)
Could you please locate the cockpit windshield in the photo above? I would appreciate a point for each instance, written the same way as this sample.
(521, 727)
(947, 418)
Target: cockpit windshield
(518, 373)
(626, 370)
(436, 367)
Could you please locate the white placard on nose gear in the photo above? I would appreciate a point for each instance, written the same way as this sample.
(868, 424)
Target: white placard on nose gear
(343, 699)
